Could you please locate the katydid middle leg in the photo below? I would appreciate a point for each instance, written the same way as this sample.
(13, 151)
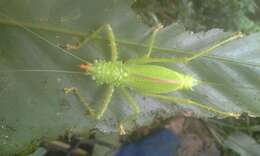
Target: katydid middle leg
(152, 39)
(134, 106)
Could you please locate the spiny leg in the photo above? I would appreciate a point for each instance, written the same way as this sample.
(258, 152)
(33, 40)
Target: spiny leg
(194, 103)
(185, 59)
(210, 49)
(152, 39)
(85, 40)
(82, 100)
(106, 100)
(135, 107)
(146, 57)
(111, 40)
(112, 43)
(104, 103)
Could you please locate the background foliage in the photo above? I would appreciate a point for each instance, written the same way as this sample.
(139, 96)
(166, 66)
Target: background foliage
(198, 15)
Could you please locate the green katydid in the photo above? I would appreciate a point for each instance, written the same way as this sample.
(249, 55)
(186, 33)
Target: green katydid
(139, 74)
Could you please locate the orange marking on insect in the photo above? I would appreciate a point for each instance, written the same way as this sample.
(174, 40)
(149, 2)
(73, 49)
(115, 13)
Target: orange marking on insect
(157, 79)
(86, 67)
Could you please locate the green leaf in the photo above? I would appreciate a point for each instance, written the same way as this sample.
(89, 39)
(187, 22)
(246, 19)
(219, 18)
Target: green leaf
(39, 152)
(33, 104)
(198, 15)
(243, 144)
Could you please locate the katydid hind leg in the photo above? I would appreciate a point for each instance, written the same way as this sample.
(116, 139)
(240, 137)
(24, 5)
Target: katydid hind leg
(206, 51)
(234, 36)
(185, 101)
(149, 59)
(103, 104)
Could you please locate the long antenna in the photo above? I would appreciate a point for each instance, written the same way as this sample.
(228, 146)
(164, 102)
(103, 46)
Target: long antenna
(44, 39)
(45, 70)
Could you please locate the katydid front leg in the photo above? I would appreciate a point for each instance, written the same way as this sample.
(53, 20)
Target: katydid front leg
(110, 88)
(103, 103)
(86, 39)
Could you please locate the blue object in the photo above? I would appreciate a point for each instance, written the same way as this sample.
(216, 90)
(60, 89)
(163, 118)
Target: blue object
(162, 143)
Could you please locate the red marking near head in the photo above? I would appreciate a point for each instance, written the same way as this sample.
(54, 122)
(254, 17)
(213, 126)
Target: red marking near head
(86, 67)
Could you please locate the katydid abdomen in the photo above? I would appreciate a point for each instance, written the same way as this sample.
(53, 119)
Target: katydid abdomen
(143, 78)
(157, 79)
